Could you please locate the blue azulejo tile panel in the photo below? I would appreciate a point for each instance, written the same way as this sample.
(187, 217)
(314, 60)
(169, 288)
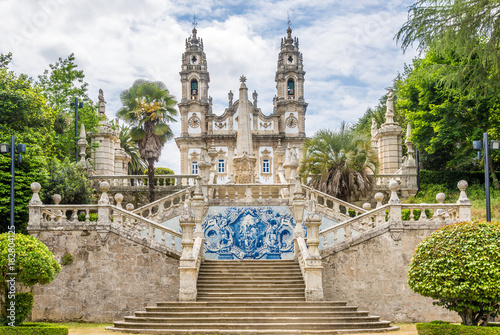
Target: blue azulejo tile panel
(249, 233)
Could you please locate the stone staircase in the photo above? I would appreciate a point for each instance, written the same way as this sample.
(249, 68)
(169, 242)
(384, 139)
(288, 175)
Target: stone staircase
(251, 297)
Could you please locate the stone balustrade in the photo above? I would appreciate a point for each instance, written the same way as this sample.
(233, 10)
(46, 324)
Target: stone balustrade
(100, 216)
(167, 207)
(248, 193)
(407, 183)
(397, 214)
(331, 207)
(129, 182)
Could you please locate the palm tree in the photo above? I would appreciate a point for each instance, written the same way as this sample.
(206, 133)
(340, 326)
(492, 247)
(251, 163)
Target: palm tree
(148, 107)
(340, 163)
(136, 165)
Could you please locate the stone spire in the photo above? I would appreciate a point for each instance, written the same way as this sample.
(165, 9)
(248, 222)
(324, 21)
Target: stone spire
(244, 143)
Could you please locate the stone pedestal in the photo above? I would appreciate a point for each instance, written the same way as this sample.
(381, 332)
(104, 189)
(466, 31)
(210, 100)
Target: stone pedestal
(244, 169)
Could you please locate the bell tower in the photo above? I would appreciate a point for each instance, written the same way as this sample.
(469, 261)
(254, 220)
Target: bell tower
(289, 102)
(194, 79)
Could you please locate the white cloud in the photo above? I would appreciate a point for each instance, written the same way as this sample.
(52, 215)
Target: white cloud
(349, 53)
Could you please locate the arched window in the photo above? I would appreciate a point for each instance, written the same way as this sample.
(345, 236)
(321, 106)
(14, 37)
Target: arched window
(194, 88)
(194, 167)
(290, 86)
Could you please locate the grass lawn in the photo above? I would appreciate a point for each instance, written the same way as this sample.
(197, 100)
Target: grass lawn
(98, 329)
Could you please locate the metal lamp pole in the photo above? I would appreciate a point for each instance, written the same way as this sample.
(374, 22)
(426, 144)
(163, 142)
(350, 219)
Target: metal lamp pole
(76, 105)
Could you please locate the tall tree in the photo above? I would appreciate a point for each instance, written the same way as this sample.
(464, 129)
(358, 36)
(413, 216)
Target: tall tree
(61, 84)
(136, 165)
(340, 163)
(438, 112)
(468, 28)
(148, 107)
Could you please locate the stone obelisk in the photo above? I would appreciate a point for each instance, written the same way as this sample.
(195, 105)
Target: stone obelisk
(244, 162)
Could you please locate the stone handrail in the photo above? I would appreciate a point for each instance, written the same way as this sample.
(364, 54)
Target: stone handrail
(64, 214)
(248, 192)
(135, 181)
(191, 258)
(395, 213)
(331, 207)
(164, 208)
(301, 253)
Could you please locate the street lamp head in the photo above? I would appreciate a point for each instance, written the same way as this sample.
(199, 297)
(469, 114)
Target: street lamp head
(21, 148)
(495, 145)
(4, 148)
(477, 145)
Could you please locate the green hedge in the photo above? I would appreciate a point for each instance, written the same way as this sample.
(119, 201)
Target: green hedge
(451, 178)
(449, 329)
(30, 328)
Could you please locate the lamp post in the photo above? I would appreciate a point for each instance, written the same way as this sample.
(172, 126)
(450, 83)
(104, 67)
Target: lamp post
(19, 149)
(76, 105)
(478, 145)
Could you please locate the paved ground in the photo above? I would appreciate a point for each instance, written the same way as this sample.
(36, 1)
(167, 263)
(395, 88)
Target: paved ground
(98, 329)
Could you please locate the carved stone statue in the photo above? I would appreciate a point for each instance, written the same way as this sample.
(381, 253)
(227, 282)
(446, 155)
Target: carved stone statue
(102, 103)
(389, 115)
(374, 127)
(230, 96)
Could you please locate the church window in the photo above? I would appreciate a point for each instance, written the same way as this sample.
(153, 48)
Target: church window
(194, 167)
(291, 87)
(265, 166)
(194, 87)
(222, 166)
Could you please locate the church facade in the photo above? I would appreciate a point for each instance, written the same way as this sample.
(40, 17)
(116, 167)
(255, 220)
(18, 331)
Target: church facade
(241, 144)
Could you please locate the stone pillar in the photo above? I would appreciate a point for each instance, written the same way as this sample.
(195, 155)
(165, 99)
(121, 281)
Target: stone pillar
(389, 140)
(313, 270)
(298, 206)
(83, 144)
(464, 209)
(187, 268)
(198, 204)
(35, 204)
(395, 208)
(103, 210)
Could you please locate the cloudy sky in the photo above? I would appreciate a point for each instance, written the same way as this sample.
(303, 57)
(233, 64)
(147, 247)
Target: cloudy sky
(350, 56)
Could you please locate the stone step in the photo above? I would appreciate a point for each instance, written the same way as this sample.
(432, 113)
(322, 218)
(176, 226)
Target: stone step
(256, 319)
(250, 295)
(248, 286)
(252, 290)
(249, 313)
(250, 275)
(256, 304)
(285, 331)
(246, 273)
(193, 327)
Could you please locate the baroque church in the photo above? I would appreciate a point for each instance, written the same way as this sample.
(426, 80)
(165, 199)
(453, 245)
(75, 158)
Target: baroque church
(248, 145)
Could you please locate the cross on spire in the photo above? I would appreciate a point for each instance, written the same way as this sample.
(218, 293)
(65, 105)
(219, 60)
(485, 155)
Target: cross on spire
(289, 19)
(194, 21)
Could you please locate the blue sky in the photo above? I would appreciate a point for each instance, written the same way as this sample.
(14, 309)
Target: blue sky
(350, 56)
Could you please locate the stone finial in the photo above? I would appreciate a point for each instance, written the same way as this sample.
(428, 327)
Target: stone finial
(56, 198)
(393, 186)
(462, 186)
(104, 187)
(129, 207)
(119, 199)
(379, 197)
(255, 96)
(230, 96)
(102, 103)
(367, 206)
(35, 199)
(83, 144)
(440, 197)
(243, 79)
(389, 115)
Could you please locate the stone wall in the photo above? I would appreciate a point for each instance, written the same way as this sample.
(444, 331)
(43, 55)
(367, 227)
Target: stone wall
(371, 273)
(111, 277)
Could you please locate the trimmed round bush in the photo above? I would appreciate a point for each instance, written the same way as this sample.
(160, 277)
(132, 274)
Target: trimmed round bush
(459, 266)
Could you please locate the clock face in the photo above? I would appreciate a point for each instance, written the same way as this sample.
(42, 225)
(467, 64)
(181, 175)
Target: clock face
(290, 59)
(291, 122)
(194, 121)
(194, 60)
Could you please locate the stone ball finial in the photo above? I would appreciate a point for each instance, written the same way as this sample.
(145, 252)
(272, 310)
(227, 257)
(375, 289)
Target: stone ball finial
(462, 185)
(35, 187)
(379, 197)
(56, 198)
(118, 197)
(129, 207)
(440, 197)
(104, 186)
(367, 206)
(393, 185)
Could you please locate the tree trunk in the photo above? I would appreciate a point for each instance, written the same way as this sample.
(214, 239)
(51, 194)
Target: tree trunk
(467, 317)
(494, 175)
(151, 179)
